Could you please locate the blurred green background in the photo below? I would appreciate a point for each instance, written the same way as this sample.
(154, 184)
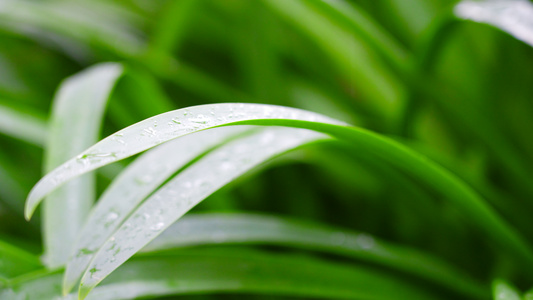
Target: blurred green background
(458, 92)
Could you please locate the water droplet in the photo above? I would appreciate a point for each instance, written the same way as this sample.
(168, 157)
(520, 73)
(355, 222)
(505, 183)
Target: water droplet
(157, 226)
(112, 216)
(144, 179)
(149, 131)
(94, 272)
(365, 241)
(227, 166)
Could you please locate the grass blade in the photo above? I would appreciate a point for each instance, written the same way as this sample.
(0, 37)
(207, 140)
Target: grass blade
(371, 79)
(203, 117)
(15, 261)
(186, 190)
(94, 22)
(75, 123)
(356, 20)
(22, 126)
(234, 271)
(132, 186)
(156, 130)
(512, 16)
(171, 28)
(239, 228)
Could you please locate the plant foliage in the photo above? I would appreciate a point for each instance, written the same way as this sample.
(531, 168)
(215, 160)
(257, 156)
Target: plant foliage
(268, 148)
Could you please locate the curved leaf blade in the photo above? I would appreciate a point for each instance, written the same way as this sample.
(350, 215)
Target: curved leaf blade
(183, 192)
(132, 186)
(244, 228)
(236, 271)
(157, 130)
(78, 110)
(393, 152)
(22, 126)
(512, 16)
(15, 261)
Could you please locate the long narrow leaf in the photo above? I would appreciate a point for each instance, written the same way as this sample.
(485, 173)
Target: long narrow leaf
(22, 126)
(373, 81)
(232, 272)
(234, 228)
(132, 186)
(356, 20)
(144, 136)
(512, 16)
(157, 130)
(75, 123)
(186, 190)
(89, 21)
(15, 261)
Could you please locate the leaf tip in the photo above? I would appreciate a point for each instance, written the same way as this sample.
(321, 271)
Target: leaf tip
(28, 211)
(31, 203)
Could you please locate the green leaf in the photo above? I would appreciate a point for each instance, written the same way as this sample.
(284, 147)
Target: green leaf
(234, 271)
(157, 130)
(369, 76)
(359, 22)
(131, 187)
(143, 135)
(184, 191)
(239, 228)
(501, 290)
(77, 113)
(171, 26)
(22, 126)
(512, 16)
(15, 261)
(91, 22)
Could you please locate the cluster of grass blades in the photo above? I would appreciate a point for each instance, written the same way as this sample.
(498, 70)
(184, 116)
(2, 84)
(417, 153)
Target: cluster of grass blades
(344, 149)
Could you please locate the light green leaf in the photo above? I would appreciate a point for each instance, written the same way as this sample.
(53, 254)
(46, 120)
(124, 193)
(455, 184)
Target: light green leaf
(348, 52)
(501, 290)
(15, 261)
(183, 192)
(78, 109)
(157, 130)
(171, 26)
(131, 187)
(359, 22)
(91, 22)
(512, 16)
(22, 126)
(234, 271)
(239, 228)
(143, 135)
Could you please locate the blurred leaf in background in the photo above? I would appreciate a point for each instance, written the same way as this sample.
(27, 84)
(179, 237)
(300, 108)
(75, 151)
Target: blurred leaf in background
(324, 149)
